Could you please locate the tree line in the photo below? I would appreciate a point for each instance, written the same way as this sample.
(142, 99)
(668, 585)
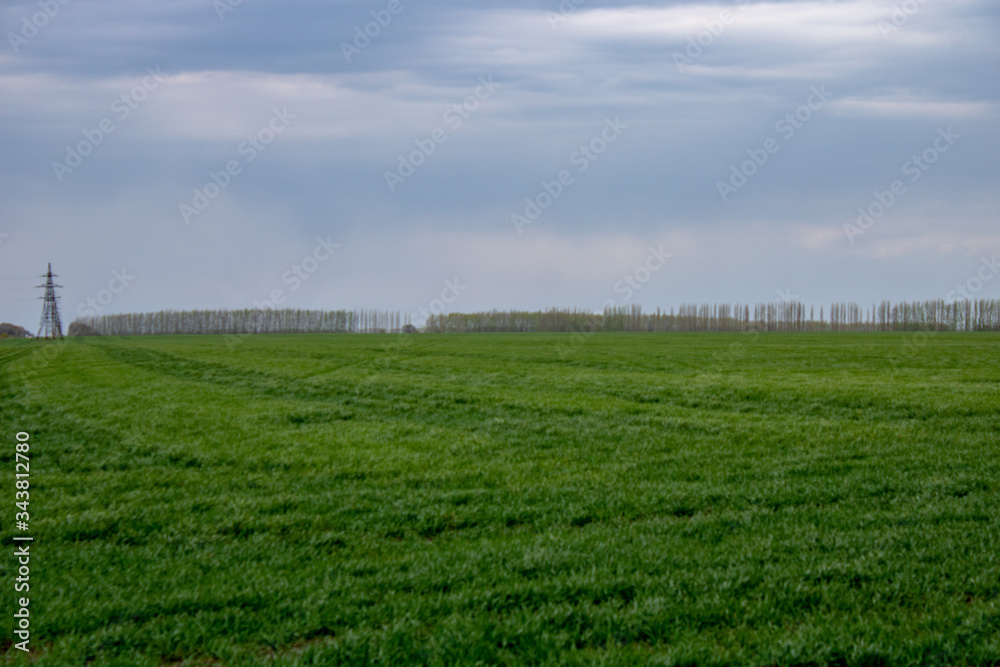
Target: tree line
(789, 316)
(935, 315)
(246, 321)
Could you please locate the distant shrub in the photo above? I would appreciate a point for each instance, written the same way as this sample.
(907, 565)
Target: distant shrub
(13, 331)
(78, 328)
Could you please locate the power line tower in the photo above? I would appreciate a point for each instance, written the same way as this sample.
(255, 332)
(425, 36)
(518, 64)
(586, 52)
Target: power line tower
(50, 325)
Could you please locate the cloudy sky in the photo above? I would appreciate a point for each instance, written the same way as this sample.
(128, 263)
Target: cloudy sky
(202, 154)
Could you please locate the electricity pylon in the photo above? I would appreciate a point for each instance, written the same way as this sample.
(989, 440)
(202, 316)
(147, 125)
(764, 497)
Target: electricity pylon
(50, 326)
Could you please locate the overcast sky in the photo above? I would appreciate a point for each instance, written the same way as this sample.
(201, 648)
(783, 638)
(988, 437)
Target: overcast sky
(192, 154)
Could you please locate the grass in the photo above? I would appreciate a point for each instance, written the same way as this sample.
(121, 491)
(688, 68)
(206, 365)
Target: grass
(663, 499)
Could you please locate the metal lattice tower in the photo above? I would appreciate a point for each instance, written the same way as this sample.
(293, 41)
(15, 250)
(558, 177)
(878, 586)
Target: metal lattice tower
(50, 325)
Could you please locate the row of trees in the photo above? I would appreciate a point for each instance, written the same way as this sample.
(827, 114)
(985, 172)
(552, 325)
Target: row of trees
(246, 321)
(981, 315)
(939, 315)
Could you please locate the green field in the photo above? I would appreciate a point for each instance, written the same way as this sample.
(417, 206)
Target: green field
(634, 499)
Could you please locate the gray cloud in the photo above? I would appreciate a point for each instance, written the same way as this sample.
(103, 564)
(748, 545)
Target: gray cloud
(892, 89)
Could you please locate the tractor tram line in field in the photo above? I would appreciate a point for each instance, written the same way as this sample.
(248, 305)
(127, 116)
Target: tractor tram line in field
(816, 499)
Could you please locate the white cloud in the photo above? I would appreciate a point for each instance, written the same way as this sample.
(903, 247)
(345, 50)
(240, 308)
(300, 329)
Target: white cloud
(907, 104)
